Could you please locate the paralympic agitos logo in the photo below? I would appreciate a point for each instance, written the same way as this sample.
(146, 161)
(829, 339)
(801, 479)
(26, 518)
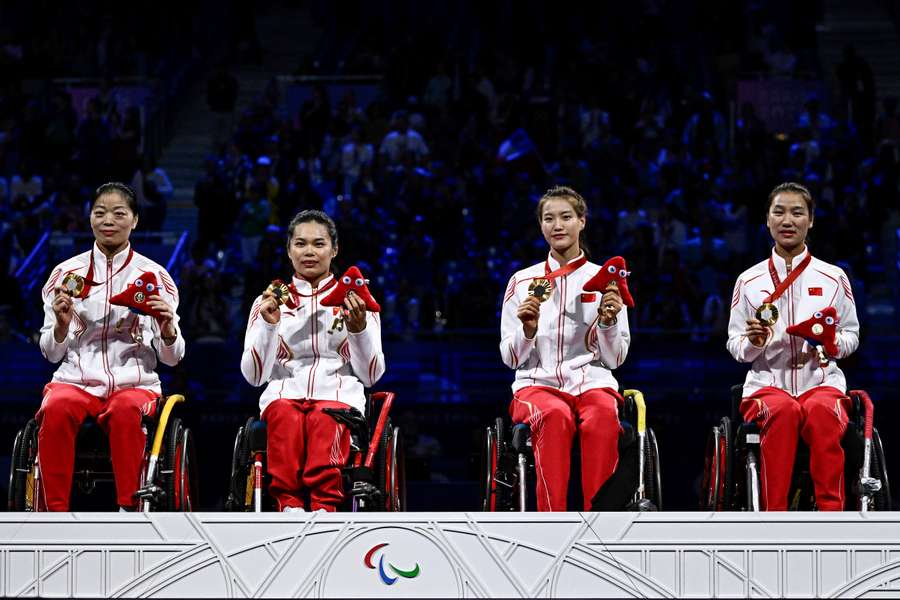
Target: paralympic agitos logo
(385, 578)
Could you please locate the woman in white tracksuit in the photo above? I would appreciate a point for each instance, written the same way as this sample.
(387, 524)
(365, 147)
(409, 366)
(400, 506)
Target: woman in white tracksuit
(310, 357)
(108, 353)
(563, 351)
(788, 391)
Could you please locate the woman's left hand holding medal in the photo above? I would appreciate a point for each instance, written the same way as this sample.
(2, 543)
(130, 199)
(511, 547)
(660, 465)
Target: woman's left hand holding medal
(354, 312)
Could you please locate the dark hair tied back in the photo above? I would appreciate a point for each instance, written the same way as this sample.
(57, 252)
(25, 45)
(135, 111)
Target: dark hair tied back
(117, 187)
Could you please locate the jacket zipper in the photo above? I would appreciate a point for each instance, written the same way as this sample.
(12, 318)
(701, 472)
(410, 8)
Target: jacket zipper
(104, 341)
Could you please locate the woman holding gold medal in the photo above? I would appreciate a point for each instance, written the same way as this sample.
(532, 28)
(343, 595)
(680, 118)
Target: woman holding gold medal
(108, 352)
(792, 316)
(563, 343)
(311, 356)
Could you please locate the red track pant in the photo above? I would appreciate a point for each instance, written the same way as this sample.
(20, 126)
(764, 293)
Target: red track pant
(820, 417)
(553, 417)
(62, 411)
(306, 449)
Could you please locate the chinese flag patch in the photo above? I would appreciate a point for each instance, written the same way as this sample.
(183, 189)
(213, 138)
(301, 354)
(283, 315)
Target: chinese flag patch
(588, 297)
(815, 291)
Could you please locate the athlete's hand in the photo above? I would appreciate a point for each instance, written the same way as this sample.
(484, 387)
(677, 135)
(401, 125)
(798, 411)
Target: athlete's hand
(166, 319)
(269, 309)
(756, 332)
(354, 312)
(610, 305)
(528, 312)
(64, 309)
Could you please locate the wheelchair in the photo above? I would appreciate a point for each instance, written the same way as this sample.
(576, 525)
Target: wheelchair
(374, 477)
(731, 469)
(508, 467)
(168, 476)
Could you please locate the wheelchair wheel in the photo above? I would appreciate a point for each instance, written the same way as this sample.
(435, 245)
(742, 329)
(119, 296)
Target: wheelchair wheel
(180, 471)
(493, 447)
(22, 485)
(882, 499)
(709, 485)
(726, 466)
(239, 498)
(395, 473)
(717, 486)
(652, 476)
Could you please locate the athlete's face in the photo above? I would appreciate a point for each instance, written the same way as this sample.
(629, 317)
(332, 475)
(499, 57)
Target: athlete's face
(789, 220)
(311, 251)
(560, 224)
(112, 220)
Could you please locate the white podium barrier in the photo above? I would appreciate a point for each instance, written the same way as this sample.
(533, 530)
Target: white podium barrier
(629, 555)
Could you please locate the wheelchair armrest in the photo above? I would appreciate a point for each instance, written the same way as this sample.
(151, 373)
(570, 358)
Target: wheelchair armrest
(521, 438)
(350, 417)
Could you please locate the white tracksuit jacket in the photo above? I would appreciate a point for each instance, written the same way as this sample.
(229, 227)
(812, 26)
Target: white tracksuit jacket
(309, 354)
(100, 353)
(570, 352)
(786, 361)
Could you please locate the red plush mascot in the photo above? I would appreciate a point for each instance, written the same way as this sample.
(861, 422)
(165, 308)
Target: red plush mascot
(351, 280)
(613, 271)
(819, 330)
(136, 295)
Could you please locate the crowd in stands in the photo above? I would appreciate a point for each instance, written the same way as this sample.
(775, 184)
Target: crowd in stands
(57, 143)
(434, 182)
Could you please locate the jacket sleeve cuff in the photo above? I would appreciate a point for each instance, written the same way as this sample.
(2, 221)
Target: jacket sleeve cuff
(171, 354)
(749, 352)
(53, 350)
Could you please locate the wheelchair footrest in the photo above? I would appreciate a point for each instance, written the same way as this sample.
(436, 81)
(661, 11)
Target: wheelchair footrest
(867, 486)
(364, 493)
(642, 505)
(152, 493)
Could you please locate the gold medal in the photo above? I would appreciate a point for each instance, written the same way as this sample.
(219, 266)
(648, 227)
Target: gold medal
(540, 289)
(73, 284)
(280, 290)
(767, 314)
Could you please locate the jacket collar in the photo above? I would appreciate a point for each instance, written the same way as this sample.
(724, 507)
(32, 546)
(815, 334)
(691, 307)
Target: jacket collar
(781, 264)
(554, 264)
(118, 260)
(304, 288)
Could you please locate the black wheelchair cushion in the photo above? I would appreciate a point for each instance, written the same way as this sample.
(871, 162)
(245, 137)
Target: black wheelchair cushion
(628, 435)
(618, 491)
(257, 436)
(521, 435)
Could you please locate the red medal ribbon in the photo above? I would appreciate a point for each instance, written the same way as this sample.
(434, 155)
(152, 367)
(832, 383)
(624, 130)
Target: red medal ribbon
(293, 299)
(89, 277)
(560, 272)
(782, 286)
(564, 270)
